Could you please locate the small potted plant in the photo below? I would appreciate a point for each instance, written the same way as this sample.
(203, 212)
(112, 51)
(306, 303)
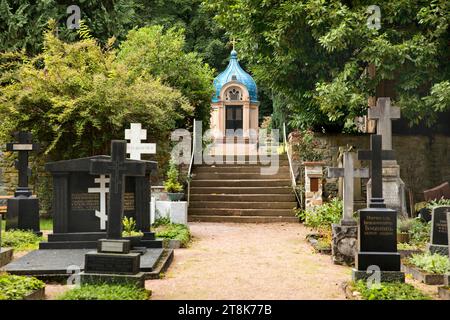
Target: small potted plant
(172, 186)
(130, 233)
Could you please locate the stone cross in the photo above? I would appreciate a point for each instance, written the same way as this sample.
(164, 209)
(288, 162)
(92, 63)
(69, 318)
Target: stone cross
(136, 148)
(349, 173)
(117, 168)
(384, 113)
(23, 146)
(376, 155)
(103, 190)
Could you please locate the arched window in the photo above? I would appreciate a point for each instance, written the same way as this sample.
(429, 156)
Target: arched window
(233, 94)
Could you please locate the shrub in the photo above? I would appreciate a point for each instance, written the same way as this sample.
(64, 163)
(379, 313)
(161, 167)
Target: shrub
(432, 263)
(20, 240)
(18, 287)
(106, 292)
(438, 203)
(420, 232)
(129, 227)
(172, 184)
(161, 221)
(404, 225)
(389, 291)
(322, 217)
(175, 231)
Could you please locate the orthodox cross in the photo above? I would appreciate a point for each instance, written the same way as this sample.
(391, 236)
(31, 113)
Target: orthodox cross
(135, 148)
(103, 190)
(23, 147)
(384, 113)
(349, 173)
(376, 155)
(117, 168)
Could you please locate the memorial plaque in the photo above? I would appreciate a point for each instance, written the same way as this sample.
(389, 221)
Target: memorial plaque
(111, 263)
(378, 232)
(439, 231)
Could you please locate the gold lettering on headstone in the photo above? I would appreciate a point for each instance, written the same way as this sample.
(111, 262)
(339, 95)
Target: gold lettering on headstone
(378, 226)
(85, 201)
(128, 202)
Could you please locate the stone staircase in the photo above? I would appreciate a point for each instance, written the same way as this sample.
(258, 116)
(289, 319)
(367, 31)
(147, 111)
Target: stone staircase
(239, 193)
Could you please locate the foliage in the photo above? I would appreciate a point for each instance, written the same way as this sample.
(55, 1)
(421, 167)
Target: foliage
(129, 227)
(437, 203)
(322, 217)
(407, 246)
(432, 263)
(304, 145)
(172, 183)
(313, 56)
(161, 54)
(75, 98)
(21, 240)
(161, 221)
(106, 292)
(404, 225)
(14, 287)
(174, 231)
(388, 291)
(420, 232)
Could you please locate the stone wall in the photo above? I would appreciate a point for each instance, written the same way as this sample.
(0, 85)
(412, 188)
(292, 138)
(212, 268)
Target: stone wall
(424, 160)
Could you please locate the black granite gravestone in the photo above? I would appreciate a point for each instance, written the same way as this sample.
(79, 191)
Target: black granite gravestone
(439, 230)
(75, 224)
(113, 256)
(23, 209)
(377, 232)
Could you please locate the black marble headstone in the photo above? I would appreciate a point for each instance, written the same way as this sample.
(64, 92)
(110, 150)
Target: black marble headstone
(75, 225)
(439, 230)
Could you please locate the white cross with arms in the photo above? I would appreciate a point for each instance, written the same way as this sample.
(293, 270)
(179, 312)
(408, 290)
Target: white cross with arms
(103, 190)
(135, 148)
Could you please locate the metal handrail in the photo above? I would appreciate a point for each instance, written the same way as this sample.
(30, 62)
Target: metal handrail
(191, 163)
(291, 170)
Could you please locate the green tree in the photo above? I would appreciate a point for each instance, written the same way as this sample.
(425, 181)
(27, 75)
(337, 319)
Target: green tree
(313, 55)
(160, 53)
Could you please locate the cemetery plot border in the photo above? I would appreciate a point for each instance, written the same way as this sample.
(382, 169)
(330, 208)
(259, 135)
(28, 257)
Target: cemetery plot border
(422, 276)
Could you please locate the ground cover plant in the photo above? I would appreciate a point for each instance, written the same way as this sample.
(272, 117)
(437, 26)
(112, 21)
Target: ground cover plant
(106, 292)
(14, 287)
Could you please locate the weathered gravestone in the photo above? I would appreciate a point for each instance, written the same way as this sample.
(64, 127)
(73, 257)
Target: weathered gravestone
(439, 230)
(345, 233)
(79, 199)
(377, 232)
(113, 261)
(23, 209)
(394, 193)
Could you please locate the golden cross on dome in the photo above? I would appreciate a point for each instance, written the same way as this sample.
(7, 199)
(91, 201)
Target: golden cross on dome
(233, 42)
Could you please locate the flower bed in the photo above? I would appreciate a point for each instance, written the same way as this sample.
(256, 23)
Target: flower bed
(14, 287)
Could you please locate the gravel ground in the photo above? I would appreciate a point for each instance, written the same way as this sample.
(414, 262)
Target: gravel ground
(250, 261)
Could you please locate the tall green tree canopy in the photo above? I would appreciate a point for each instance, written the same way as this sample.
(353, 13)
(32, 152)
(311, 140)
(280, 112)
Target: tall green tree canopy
(313, 55)
(160, 53)
(76, 97)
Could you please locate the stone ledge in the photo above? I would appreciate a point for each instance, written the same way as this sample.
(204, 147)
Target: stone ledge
(6, 255)
(423, 276)
(99, 278)
(386, 276)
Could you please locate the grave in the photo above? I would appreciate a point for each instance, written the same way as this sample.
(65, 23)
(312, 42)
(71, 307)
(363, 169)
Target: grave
(6, 254)
(313, 183)
(80, 204)
(114, 261)
(345, 234)
(394, 193)
(23, 208)
(377, 232)
(439, 230)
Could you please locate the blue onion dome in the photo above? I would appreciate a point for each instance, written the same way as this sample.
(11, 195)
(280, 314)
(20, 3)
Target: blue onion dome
(234, 72)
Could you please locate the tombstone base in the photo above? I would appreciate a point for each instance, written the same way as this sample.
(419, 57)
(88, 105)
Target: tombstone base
(439, 249)
(114, 246)
(148, 236)
(99, 278)
(344, 244)
(386, 261)
(112, 263)
(6, 255)
(23, 214)
(385, 276)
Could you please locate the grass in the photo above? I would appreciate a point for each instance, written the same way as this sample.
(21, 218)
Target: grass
(45, 224)
(388, 291)
(20, 240)
(18, 287)
(173, 231)
(106, 292)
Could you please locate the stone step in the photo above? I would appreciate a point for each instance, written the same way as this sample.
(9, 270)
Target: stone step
(241, 205)
(221, 161)
(276, 198)
(238, 176)
(235, 169)
(240, 183)
(241, 190)
(241, 212)
(237, 219)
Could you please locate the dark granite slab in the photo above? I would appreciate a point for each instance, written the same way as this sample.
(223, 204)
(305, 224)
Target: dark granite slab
(58, 261)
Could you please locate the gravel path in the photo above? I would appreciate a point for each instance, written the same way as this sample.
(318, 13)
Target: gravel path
(250, 261)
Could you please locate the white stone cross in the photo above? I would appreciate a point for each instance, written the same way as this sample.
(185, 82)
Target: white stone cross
(349, 173)
(384, 114)
(103, 190)
(135, 148)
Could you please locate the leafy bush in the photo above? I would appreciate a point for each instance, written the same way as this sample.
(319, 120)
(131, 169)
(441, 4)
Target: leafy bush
(172, 183)
(20, 240)
(14, 287)
(404, 225)
(437, 203)
(431, 263)
(322, 217)
(304, 145)
(420, 232)
(174, 231)
(389, 291)
(161, 221)
(106, 292)
(129, 227)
